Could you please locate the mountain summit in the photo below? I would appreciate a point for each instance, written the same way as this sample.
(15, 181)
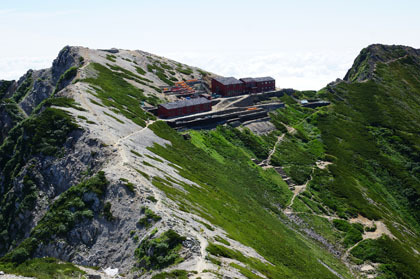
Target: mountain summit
(365, 63)
(324, 186)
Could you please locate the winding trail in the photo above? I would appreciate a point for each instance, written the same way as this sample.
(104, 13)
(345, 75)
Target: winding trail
(279, 140)
(290, 129)
(225, 103)
(299, 189)
(380, 227)
(386, 63)
(201, 263)
(119, 143)
(266, 163)
(135, 132)
(120, 139)
(347, 253)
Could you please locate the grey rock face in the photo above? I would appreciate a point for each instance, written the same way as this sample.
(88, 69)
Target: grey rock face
(6, 87)
(42, 89)
(8, 119)
(67, 58)
(92, 198)
(105, 144)
(45, 81)
(54, 176)
(312, 234)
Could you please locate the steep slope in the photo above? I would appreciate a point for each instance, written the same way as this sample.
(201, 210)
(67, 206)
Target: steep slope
(378, 156)
(19, 98)
(88, 176)
(24, 174)
(101, 220)
(364, 66)
(369, 158)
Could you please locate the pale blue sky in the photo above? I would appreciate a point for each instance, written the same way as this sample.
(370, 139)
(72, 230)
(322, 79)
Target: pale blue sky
(303, 44)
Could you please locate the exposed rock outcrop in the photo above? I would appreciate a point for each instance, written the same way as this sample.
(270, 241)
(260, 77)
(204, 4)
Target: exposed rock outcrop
(365, 63)
(108, 141)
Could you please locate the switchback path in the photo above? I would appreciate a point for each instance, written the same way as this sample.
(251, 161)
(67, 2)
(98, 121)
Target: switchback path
(266, 163)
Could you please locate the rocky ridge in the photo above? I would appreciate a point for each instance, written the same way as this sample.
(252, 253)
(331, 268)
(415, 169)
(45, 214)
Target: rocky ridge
(108, 141)
(109, 137)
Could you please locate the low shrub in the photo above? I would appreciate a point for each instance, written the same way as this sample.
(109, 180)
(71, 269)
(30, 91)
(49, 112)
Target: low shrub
(140, 71)
(165, 251)
(130, 186)
(43, 268)
(152, 199)
(222, 240)
(107, 212)
(111, 57)
(175, 274)
(396, 261)
(24, 87)
(149, 218)
(65, 78)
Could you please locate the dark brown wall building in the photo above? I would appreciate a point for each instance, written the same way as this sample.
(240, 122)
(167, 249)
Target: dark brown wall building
(265, 84)
(184, 107)
(230, 86)
(227, 86)
(257, 85)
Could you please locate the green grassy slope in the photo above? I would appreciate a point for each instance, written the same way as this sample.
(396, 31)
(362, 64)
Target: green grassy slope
(115, 92)
(371, 135)
(242, 198)
(45, 268)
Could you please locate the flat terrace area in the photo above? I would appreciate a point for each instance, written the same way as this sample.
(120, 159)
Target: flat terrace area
(251, 110)
(232, 110)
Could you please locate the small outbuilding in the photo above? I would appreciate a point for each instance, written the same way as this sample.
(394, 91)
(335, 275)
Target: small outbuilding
(230, 86)
(264, 84)
(227, 86)
(250, 85)
(184, 107)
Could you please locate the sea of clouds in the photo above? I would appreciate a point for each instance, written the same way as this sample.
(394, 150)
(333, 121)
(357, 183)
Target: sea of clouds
(12, 68)
(299, 70)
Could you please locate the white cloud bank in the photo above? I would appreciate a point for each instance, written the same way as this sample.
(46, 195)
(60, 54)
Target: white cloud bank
(299, 70)
(14, 67)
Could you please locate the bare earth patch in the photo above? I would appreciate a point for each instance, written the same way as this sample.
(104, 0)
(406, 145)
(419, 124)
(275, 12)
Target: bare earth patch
(322, 164)
(381, 228)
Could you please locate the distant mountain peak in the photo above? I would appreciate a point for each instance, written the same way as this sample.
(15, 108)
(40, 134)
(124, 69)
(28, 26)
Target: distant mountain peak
(364, 65)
